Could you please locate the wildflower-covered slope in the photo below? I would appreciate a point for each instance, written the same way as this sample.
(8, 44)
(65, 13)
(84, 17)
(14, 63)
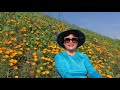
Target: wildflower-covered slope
(28, 46)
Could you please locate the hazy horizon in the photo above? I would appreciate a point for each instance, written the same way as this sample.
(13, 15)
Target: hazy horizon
(105, 23)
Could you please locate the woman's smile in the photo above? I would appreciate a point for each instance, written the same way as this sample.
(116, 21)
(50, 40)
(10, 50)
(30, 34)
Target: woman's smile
(71, 45)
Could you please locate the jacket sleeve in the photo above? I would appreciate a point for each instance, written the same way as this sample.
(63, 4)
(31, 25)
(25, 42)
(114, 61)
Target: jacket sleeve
(61, 67)
(90, 69)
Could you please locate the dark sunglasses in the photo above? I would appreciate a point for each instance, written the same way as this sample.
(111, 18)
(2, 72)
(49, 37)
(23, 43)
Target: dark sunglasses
(74, 40)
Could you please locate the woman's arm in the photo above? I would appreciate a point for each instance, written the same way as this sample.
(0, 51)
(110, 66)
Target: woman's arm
(90, 69)
(61, 67)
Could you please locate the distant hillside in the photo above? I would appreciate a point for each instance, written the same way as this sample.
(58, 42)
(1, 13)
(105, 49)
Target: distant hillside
(28, 46)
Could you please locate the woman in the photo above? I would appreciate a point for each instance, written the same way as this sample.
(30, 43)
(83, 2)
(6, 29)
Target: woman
(72, 64)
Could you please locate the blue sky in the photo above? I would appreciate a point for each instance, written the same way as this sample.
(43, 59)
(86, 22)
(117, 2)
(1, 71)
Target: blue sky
(105, 23)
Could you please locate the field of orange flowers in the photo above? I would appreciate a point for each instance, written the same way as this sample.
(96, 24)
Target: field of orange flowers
(28, 46)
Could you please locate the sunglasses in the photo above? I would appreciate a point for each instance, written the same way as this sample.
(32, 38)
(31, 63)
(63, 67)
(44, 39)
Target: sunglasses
(74, 40)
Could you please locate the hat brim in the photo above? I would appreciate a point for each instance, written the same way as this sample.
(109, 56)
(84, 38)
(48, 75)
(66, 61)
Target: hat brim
(78, 33)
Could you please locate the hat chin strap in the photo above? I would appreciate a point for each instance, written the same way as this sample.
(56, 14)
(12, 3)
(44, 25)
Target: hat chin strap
(70, 53)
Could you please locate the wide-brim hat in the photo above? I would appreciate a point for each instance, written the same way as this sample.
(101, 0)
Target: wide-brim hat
(78, 33)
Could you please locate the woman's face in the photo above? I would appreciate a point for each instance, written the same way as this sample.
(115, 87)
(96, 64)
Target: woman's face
(70, 42)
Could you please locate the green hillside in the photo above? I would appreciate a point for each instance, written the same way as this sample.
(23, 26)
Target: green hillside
(28, 46)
